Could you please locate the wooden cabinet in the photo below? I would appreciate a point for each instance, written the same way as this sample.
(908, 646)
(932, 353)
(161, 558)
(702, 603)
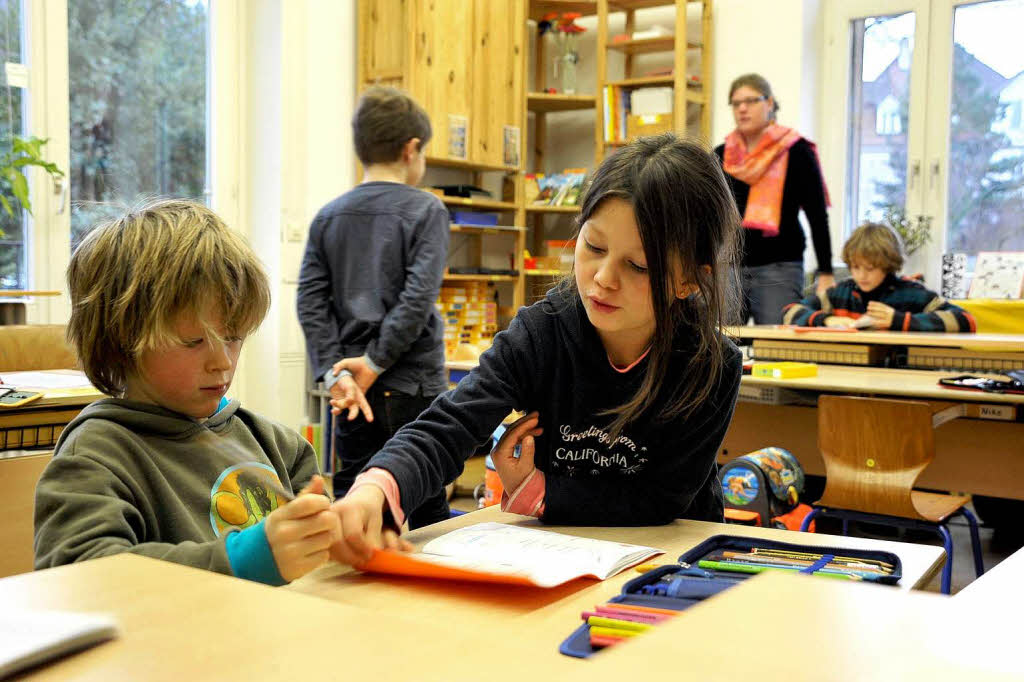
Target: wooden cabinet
(457, 58)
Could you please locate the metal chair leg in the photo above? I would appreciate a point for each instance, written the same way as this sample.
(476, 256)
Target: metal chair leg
(806, 523)
(947, 569)
(972, 522)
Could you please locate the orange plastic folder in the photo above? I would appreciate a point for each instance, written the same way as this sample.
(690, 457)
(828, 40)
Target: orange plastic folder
(507, 554)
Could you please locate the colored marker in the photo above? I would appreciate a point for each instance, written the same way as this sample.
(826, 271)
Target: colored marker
(601, 631)
(638, 609)
(599, 641)
(605, 622)
(646, 618)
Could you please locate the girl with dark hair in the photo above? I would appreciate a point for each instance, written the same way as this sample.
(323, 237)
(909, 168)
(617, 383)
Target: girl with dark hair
(627, 379)
(773, 173)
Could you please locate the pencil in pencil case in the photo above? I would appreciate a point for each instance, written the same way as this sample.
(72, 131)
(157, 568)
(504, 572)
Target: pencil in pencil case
(676, 587)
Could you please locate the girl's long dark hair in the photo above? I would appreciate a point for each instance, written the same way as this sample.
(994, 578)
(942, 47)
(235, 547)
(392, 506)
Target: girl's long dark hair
(688, 219)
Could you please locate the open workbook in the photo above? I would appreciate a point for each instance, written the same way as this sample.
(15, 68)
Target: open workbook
(496, 552)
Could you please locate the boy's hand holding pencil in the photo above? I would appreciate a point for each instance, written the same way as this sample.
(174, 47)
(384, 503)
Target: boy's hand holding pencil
(301, 532)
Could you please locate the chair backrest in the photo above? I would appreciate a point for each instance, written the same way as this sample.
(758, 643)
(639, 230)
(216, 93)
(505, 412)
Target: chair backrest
(29, 347)
(874, 449)
(18, 478)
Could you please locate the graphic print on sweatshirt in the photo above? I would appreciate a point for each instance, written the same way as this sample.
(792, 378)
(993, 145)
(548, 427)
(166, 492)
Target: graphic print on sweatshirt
(584, 451)
(244, 495)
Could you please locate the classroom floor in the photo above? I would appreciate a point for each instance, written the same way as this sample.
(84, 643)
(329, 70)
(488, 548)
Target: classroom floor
(994, 549)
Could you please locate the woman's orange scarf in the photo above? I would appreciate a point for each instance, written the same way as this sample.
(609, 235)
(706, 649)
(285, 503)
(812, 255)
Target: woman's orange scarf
(764, 169)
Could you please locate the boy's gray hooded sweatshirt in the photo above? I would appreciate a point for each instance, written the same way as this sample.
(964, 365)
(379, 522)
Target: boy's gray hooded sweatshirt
(134, 477)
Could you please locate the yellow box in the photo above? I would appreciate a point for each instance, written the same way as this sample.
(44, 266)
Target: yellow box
(647, 124)
(784, 370)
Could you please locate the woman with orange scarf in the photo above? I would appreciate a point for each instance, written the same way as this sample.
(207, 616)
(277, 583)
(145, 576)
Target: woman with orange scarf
(774, 172)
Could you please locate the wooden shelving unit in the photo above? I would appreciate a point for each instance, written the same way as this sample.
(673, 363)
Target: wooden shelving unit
(544, 102)
(689, 88)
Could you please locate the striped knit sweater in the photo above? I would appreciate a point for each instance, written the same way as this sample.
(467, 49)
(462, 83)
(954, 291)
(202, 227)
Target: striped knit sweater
(918, 309)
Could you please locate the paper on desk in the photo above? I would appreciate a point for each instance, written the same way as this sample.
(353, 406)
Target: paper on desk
(28, 638)
(51, 380)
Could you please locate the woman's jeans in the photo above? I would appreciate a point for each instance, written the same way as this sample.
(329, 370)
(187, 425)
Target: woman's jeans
(769, 288)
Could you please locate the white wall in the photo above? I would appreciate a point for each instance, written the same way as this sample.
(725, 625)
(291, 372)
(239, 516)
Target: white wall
(296, 154)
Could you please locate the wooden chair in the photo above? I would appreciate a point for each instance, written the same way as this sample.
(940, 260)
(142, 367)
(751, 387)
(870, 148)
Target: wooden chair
(874, 450)
(18, 478)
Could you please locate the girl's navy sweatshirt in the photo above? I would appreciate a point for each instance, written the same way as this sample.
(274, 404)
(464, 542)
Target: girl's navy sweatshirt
(551, 359)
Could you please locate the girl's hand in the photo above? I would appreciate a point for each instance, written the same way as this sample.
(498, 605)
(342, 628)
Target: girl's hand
(882, 314)
(361, 518)
(511, 469)
(301, 532)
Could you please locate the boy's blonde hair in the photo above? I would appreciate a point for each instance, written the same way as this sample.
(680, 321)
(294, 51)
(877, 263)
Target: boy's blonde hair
(875, 244)
(130, 278)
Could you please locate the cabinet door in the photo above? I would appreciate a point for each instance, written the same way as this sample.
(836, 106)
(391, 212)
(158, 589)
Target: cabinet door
(498, 71)
(441, 66)
(384, 35)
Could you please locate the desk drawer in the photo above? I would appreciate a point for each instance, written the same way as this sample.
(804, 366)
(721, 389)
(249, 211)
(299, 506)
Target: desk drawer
(813, 351)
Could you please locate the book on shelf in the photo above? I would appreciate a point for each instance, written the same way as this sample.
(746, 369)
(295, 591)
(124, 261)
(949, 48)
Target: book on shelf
(502, 553)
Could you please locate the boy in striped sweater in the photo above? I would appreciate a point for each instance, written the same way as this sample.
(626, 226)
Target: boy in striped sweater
(875, 296)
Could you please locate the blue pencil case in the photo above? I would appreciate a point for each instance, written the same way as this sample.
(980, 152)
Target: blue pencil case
(681, 585)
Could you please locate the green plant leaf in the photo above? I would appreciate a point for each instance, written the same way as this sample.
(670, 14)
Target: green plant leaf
(7, 207)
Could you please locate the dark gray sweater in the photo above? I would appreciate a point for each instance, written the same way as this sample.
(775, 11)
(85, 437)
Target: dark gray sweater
(551, 360)
(369, 279)
(133, 477)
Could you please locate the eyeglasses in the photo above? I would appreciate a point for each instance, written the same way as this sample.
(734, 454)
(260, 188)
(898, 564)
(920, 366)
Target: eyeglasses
(749, 101)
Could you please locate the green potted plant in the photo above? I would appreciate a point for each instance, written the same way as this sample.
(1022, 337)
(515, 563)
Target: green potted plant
(13, 184)
(913, 233)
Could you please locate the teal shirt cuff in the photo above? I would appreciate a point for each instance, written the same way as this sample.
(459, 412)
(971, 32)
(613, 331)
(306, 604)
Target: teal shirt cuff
(250, 556)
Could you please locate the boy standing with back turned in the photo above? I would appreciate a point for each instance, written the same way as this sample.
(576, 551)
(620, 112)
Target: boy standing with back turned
(370, 276)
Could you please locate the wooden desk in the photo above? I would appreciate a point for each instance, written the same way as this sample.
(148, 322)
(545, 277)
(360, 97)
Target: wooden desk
(992, 342)
(543, 618)
(796, 629)
(182, 623)
(980, 456)
(40, 422)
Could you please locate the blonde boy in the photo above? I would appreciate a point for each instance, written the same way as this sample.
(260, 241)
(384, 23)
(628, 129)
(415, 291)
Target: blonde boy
(875, 296)
(162, 299)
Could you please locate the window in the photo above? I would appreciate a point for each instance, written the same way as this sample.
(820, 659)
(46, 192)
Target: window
(13, 251)
(931, 93)
(986, 150)
(881, 52)
(888, 120)
(138, 104)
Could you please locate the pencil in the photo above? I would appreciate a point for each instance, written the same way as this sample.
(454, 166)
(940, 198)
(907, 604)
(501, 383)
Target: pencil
(811, 555)
(867, 568)
(748, 568)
